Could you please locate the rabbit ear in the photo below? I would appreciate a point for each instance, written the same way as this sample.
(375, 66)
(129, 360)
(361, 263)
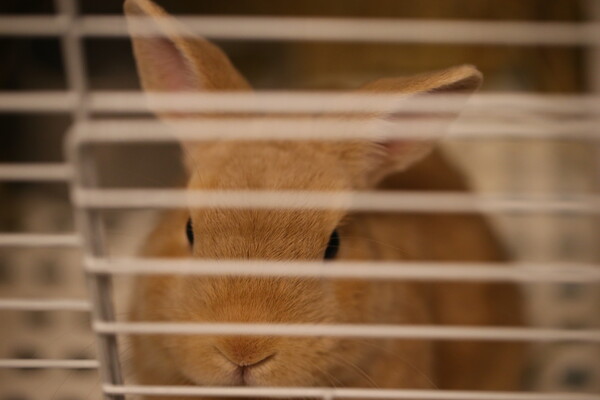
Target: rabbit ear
(399, 154)
(170, 59)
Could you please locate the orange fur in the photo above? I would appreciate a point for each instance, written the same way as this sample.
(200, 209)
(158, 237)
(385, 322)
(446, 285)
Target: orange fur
(303, 235)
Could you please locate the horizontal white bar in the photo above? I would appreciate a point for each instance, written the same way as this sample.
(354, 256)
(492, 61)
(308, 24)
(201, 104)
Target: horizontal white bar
(35, 172)
(330, 102)
(421, 271)
(329, 29)
(44, 305)
(350, 330)
(223, 129)
(56, 364)
(272, 128)
(34, 102)
(373, 30)
(443, 202)
(35, 25)
(39, 240)
(293, 102)
(544, 130)
(334, 393)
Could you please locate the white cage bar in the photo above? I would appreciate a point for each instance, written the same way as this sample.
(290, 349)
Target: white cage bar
(329, 393)
(35, 172)
(422, 271)
(55, 364)
(331, 29)
(449, 202)
(40, 240)
(292, 102)
(492, 104)
(45, 305)
(353, 331)
(329, 129)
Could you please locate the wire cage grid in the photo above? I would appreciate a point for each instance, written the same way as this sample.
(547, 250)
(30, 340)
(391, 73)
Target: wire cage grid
(80, 172)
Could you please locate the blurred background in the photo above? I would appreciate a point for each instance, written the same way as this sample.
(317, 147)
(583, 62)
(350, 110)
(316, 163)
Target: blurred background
(512, 166)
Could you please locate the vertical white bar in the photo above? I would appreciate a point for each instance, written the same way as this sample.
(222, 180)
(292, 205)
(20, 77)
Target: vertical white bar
(73, 56)
(89, 222)
(592, 8)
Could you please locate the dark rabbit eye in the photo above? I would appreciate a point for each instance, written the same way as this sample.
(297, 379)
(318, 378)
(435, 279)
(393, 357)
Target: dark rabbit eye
(189, 232)
(333, 246)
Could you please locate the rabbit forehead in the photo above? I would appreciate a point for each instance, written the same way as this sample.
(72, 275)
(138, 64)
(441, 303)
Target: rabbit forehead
(262, 235)
(276, 168)
(267, 165)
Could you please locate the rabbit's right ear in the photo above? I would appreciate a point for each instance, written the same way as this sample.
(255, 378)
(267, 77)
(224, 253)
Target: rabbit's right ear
(170, 59)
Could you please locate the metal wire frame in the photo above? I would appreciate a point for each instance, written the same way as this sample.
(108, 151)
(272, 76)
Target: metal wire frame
(93, 199)
(260, 28)
(331, 29)
(99, 286)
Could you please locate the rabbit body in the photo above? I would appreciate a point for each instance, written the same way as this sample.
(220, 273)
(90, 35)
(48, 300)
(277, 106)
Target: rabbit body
(178, 63)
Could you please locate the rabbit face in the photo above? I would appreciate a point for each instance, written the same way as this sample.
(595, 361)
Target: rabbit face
(271, 235)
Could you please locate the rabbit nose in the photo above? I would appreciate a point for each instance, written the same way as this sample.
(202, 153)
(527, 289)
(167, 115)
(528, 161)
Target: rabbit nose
(245, 357)
(256, 363)
(246, 363)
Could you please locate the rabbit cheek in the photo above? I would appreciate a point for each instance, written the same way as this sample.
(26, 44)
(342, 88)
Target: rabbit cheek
(298, 362)
(197, 360)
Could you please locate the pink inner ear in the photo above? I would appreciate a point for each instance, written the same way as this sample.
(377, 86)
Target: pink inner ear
(173, 70)
(406, 151)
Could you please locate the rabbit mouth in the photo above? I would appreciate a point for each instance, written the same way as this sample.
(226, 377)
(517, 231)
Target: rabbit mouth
(244, 377)
(245, 367)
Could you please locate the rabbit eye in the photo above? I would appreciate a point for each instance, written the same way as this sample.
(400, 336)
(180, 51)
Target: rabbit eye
(332, 247)
(189, 232)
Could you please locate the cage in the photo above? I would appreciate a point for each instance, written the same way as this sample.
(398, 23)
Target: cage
(86, 170)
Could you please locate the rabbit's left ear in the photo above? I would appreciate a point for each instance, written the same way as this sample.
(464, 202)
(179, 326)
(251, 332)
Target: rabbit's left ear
(398, 154)
(171, 59)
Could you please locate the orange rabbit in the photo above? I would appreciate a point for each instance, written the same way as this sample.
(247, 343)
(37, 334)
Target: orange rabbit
(177, 63)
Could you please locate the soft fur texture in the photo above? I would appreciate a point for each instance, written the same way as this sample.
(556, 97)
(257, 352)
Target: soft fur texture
(173, 63)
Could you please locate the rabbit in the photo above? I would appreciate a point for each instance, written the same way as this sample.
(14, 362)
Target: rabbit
(176, 63)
